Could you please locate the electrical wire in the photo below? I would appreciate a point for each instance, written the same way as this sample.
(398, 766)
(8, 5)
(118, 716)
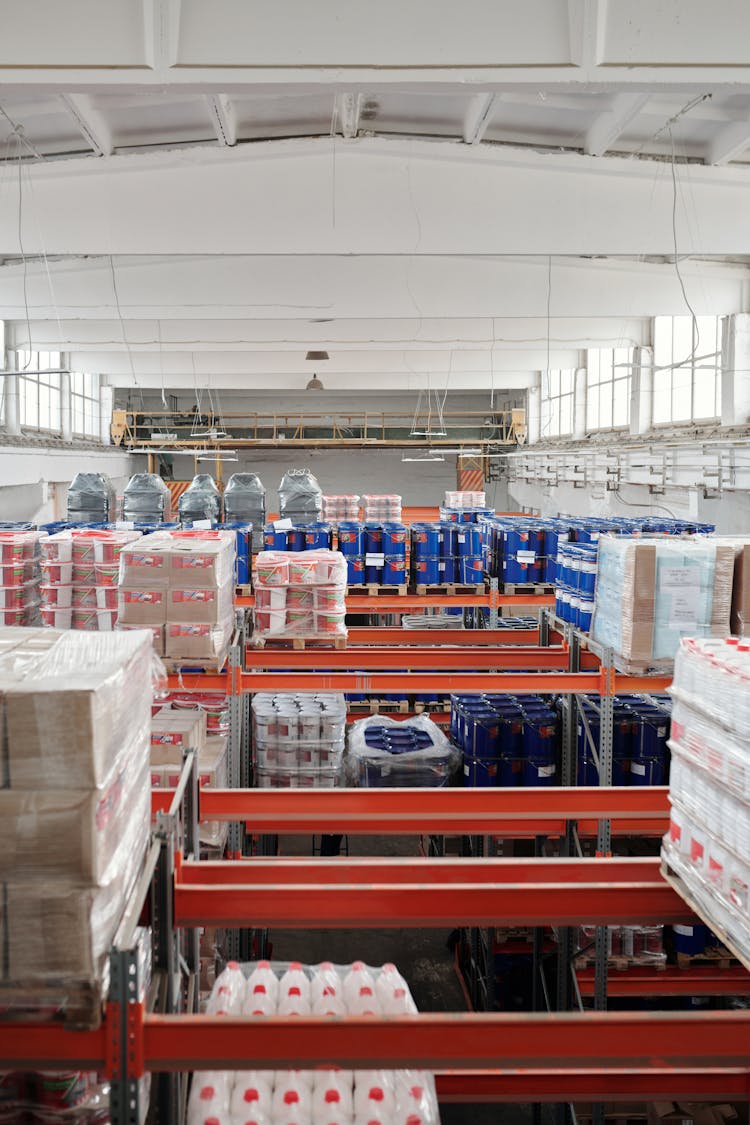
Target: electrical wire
(696, 330)
(30, 352)
(122, 328)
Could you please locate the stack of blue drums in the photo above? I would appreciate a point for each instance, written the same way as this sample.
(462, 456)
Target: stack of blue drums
(575, 586)
(299, 537)
(375, 553)
(640, 754)
(432, 554)
(506, 740)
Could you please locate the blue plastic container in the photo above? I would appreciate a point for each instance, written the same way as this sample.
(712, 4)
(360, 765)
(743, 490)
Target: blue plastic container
(373, 574)
(480, 774)
(355, 570)
(426, 539)
(351, 539)
(373, 539)
(243, 562)
(522, 553)
(447, 533)
(469, 541)
(274, 540)
(471, 571)
(587, 555)
(394, 540)
(394, 570)
(691, 940)
(449, 570)
(585, 614)
(317, 537)
(295, 539)
(427, 571)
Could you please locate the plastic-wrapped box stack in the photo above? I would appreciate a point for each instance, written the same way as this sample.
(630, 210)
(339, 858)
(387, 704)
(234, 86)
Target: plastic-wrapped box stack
(708, 842)
(245, 502)
(388, 753)
(298, 740)
(145, 499)
(338, 508)
(652, 592)
(326, 1096)
(299, 595)
(74, 807)
(201, 500)
(637, 945)
(465, 500)
(300, 497)
(20, 571)
(91, 499)
(377, 508)
(179, 584)
(79, 578)
(173, 733)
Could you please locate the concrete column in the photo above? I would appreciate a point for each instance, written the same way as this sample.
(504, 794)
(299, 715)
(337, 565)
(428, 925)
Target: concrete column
(534, 409)
(735, 370)
(579, 404)
(642, 391)
(66, 411)
(12, 405)
(106, 398)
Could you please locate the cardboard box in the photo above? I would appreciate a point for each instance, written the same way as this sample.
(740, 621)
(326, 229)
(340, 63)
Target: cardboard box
(156, 631)
(69, 714)
(199, 605)
(141, 606)
(70, 834)
(146, 562)
(174, 732)
(197, 642)
(201, 562)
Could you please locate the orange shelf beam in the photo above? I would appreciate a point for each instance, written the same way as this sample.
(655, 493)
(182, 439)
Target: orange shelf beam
(611, 1085)
(437, 658)
(469, 638)
(402, 603)
(643, 980)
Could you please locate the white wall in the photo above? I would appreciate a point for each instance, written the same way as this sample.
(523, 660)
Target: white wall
(35, 479)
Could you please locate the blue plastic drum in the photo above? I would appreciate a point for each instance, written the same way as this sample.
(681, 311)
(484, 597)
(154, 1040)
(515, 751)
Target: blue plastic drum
(425, 540)
(469, 541)
(355, 570)
(427, 571)
(373, 539)
(318, 537)
(351, 538)
(394, 570)
(273, 540)
(394, 540)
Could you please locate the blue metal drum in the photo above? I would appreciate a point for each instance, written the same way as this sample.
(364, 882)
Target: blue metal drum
(522, 553)
(318, 536)
(273, 540)
(295, 539)
(351, 538)
(394, 570)
(427, 571)
(471, 571)
(468, 541)
(355, 570)
(425, 540)
(373, 539)
(394, 540)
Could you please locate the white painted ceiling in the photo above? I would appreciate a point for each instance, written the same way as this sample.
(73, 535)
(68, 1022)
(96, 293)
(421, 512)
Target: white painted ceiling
(426, 188)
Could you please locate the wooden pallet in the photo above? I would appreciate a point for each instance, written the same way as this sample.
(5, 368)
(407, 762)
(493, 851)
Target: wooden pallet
(78, 1007)
(450, 588)
(245, 591)
(621, 963)
(422, 708)
(380, 707)
(298, 644)
(375, 589)
(697, 906)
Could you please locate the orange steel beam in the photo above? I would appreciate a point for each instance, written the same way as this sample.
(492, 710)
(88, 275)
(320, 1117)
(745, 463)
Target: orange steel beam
(332, 872)
(636, 1084)
(434, 1041)
(643, 980)
(501, 683)
(427, 906)
(395, 603)
(474, 638)
(443, 811)
(437, 659)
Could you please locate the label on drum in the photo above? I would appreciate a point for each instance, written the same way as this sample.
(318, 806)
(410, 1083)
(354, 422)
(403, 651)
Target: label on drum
(526, 556)
(374, 560)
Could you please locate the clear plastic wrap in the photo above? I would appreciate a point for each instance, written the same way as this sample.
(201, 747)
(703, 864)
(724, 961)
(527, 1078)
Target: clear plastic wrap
(392, 753)
(245, 501)
(201, 500)
(145, 499)
(340, 508)
(652, 592)
(275, 988)
(69, 706)
(298, 740)
(378, 508)
(198, 642)
(91, 498)
(465, 500)
(300, 496)
(173, 732)
(300, 594)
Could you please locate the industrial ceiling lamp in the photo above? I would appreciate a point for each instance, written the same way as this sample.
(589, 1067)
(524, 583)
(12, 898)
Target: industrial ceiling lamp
(315, 383)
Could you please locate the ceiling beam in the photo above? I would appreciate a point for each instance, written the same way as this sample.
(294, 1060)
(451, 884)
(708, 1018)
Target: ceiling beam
(90, 122)
(607, 127)
(477, 118)
(224, 119)
(348, 108)
(728, 143)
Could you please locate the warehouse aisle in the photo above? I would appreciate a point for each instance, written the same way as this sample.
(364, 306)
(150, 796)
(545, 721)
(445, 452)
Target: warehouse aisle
(422, 956)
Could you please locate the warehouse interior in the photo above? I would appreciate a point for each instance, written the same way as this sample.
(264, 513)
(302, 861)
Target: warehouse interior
(451, 301)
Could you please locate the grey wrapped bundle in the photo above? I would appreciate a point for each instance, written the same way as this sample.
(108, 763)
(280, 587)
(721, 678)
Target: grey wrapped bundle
(91, 498)
(145, 499)
(245, 502)
(300, 497)
(201, 500)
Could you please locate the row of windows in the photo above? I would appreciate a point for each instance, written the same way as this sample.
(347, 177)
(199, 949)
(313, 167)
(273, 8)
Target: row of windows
(40, 396)
(686, 380)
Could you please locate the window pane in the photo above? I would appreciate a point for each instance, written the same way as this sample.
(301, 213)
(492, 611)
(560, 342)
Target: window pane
(662, 397)
(592, 367)
(621, 402)
(592, 408)
(554, 383)
(682, 334)
(605, 406)
(704, 394)
(566, 414)
(566, 382)
(29, 403)
(662, 341)
(90, 388)
(43, 407)
(77, 405)
(54, 417)
(682, 380)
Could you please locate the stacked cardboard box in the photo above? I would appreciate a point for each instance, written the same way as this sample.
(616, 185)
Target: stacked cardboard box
(79, 578)
(173, 733)
(179, 584)
(74, 802)
(20, 555)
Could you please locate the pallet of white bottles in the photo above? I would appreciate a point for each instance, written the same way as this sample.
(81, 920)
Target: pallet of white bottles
(699, 905)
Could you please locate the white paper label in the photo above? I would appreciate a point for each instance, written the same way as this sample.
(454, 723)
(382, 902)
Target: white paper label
(374, 560)
(201, 525)
(681, 584)
(546, 771)
(680, 576)
(461, 538)
(637, 768)
(526, 556)
(124, 525)
(283, 525)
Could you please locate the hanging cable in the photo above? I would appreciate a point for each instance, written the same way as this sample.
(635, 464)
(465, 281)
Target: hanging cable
(122, 329)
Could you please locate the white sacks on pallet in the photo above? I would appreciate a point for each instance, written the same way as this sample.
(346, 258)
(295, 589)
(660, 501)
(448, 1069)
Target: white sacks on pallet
(299, 594)
(708, 842)
(75, 799)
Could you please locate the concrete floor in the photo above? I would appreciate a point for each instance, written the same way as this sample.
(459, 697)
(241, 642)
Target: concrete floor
(422, 956)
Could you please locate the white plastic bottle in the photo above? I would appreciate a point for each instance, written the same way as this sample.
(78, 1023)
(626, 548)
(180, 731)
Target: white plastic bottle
(358, 977)
(374, 1100)
(332, 1102)
(325, 984)
(393, 992)
(263, 978)
(209, 1097)
(228, 992)
(258, 1004)
(414, 1101)
(294, 1003)
(290, 1104)
(251, 1096)
(295, 983)
(365, 1003)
